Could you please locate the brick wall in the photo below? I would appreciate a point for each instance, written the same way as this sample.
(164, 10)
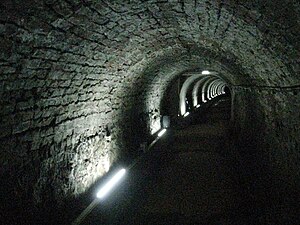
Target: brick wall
(78, 77)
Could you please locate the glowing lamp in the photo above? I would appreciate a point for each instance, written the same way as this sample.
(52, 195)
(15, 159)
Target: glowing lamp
(111, 183)
(161, 133)
(186, 114)
(205, 72)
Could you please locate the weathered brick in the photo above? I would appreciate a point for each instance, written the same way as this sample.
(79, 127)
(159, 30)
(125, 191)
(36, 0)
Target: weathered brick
(88, 64)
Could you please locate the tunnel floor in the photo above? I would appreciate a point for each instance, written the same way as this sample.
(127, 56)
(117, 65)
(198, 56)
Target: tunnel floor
(193, 181)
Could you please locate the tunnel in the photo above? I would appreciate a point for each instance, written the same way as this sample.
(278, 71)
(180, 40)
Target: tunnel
(85, 83)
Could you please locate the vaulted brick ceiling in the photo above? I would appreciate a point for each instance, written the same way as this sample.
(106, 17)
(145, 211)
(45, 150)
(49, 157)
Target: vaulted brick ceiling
(77, 76)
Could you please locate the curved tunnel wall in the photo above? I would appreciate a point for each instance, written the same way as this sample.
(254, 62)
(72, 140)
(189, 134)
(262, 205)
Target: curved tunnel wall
(196, 90)
(77, 77)
(191, 87)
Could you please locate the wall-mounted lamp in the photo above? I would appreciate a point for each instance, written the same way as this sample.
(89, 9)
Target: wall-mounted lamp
(205, 72)
(111, 183)
(161, 133)
(186, 114)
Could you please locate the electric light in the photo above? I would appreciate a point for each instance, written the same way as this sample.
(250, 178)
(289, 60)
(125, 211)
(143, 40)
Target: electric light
(197, 106)
(186, 114)
(205, 72)
(161, 133)
(111, 183)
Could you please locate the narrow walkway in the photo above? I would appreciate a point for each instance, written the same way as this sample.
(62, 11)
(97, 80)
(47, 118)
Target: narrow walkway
(195, 182)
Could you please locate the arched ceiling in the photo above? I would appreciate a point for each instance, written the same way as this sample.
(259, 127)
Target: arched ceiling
(116, 35)
(68, 67)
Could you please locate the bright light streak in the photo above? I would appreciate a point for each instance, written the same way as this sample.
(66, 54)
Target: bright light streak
(197, 106)
(205, 72)
(111, 183)
(161, 133)
(186, 114)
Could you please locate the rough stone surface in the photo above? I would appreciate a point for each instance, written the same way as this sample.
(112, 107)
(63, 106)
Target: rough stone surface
(81, 82)
(268, 149)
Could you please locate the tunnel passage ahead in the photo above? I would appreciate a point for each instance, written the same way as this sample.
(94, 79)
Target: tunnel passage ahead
(194, 182)
(192, 89)
(82, 83)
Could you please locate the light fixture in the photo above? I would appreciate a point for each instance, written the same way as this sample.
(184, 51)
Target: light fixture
(205, 72)
(111, 183)
(186, 114)
(161, 133)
